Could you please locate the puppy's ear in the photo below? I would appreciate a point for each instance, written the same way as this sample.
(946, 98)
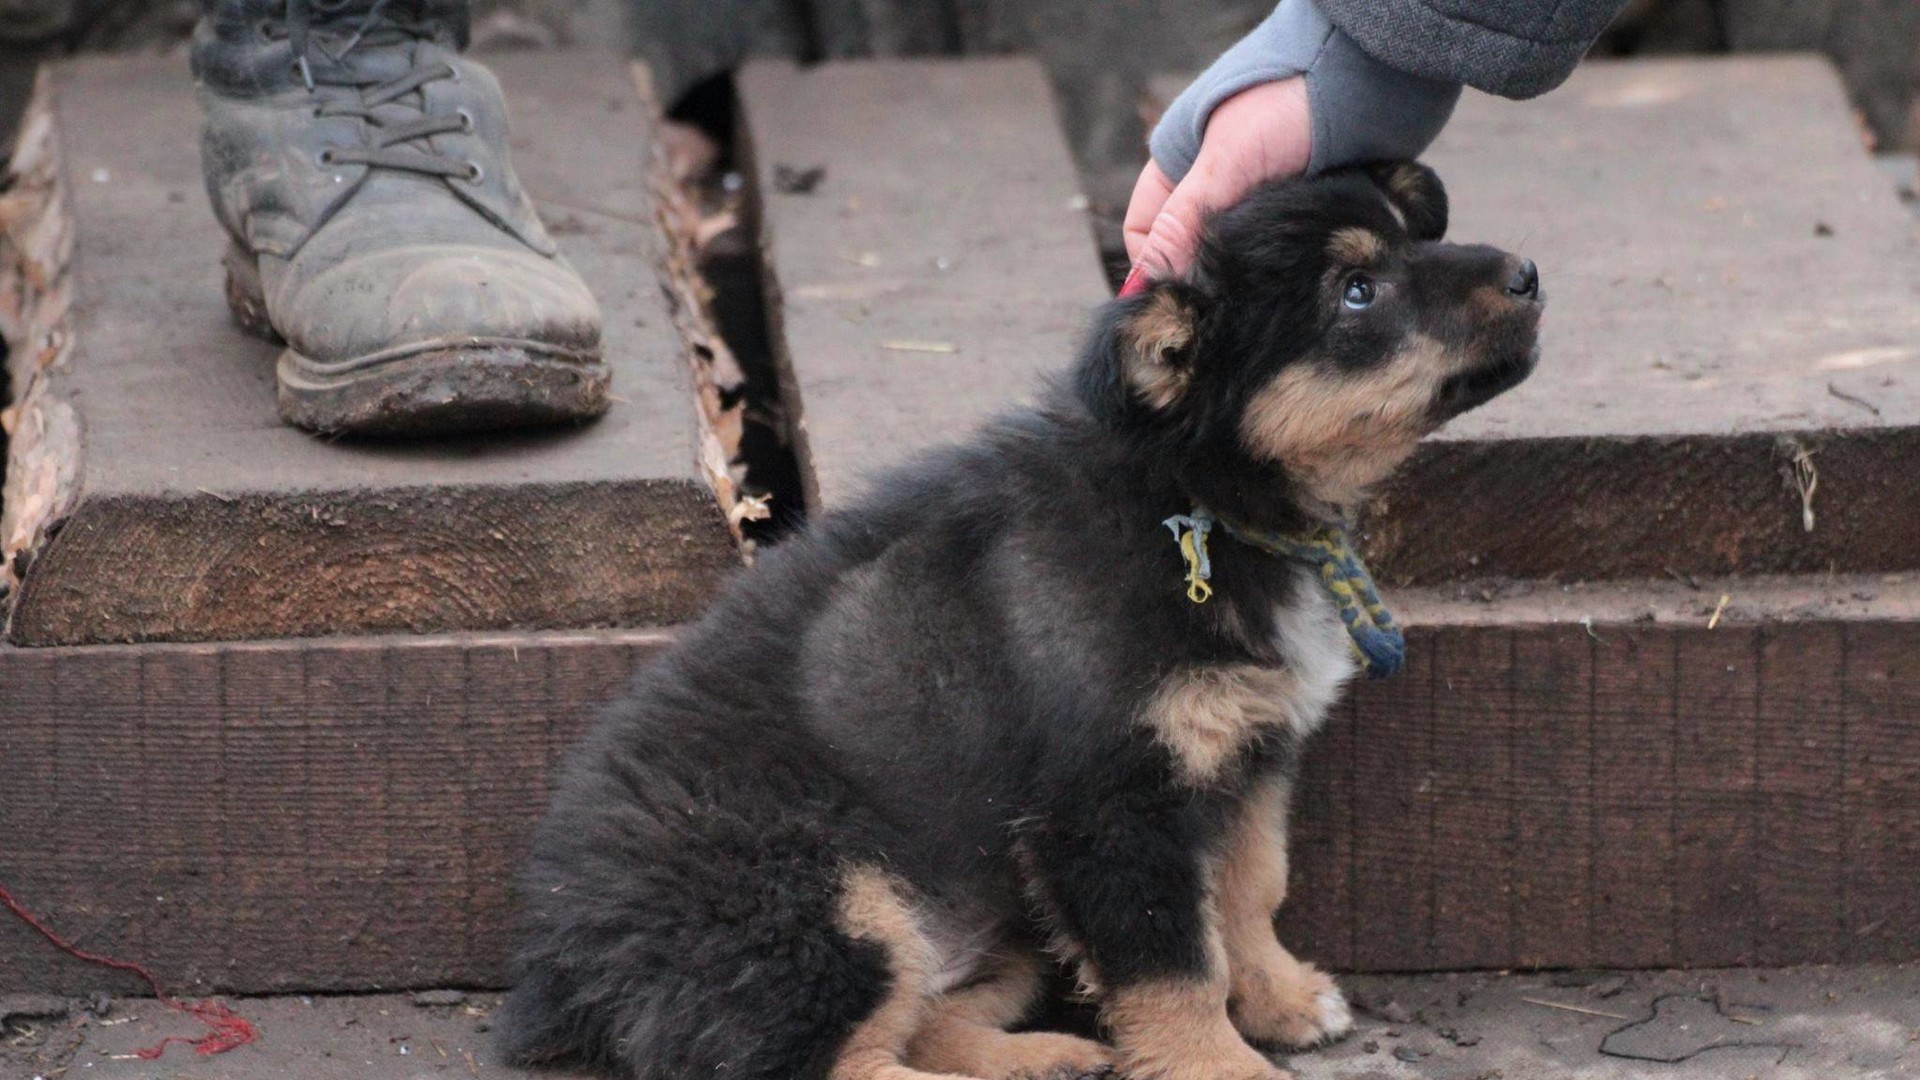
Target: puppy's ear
(1417, 193)
(1155, 343)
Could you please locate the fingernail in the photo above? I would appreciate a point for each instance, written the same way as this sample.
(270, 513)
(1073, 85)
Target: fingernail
(1136, 282)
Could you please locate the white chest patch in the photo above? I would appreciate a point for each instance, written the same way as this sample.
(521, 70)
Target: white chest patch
(1205, 716)
(1309, 634)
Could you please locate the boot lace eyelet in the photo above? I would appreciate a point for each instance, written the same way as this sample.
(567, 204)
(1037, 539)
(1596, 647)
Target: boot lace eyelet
(466, 120)
(327, 159)
(475, 173)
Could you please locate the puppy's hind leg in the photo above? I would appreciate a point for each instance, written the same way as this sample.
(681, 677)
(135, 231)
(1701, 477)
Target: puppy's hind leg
(966, 1031)
(875, 909)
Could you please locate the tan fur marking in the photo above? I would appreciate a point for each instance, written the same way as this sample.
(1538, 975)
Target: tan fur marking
(1405, 187)
(873, 908)
(1355, 246)
(1178, 1030)
(1274, 997)
(1205, 716)
(1406, 183)
(966, 1032)
(1339, 433)
(1164, 326)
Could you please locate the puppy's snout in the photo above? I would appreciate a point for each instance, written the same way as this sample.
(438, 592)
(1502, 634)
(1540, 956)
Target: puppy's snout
(1523, 282)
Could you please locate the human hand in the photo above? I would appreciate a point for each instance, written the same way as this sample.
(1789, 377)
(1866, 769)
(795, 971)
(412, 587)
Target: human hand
(1264, 132)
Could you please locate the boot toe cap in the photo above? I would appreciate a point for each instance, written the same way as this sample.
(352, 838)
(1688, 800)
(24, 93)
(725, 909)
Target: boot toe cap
(436, 296)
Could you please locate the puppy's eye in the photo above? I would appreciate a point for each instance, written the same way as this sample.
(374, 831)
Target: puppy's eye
(1359, 292)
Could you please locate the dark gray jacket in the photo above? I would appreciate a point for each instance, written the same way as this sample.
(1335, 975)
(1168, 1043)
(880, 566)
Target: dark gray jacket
(1383, 75)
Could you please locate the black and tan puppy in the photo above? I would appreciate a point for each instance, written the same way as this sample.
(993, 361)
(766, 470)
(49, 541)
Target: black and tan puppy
(983, 719)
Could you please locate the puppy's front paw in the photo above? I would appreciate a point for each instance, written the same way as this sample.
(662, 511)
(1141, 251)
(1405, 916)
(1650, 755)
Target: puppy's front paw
(1228, 1059)
(1298, 1007)
(1045, 1055)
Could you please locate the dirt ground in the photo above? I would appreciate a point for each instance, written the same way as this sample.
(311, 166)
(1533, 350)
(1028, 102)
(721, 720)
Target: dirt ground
(1826, 1023)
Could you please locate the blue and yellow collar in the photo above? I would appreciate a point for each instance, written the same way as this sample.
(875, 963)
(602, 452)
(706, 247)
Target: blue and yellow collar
(1377, 641)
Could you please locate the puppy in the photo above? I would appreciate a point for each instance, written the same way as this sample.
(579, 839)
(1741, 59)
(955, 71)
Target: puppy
(1037, 699)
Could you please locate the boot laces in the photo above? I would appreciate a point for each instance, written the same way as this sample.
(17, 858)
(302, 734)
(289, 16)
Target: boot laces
(398, 143)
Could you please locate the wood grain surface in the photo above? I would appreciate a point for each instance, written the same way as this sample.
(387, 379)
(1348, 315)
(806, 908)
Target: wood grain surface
(347, 814)
(942, 263)
(178, 507)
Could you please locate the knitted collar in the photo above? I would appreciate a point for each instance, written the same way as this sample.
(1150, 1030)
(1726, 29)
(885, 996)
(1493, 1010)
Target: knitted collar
(1376, 641)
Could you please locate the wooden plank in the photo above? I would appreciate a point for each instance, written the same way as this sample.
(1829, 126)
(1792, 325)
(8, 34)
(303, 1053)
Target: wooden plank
(1395, 816)
(1552, 680)
(1880, 809)
(1475, 731)
(353, 779)
(265, 864)
(298, 815)
(426, 736)
(1316, 919)
(496, 730)
(1634, 740)
(347, 814)
(147, 421)
(182, 788)
(1799, 766)
(1631, 507)
(937, 268)
(1716, 904)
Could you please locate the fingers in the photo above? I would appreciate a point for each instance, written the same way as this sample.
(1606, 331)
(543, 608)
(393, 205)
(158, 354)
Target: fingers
(1149, 195)
(1174, 237)
(1262, 133)
(1162, 227)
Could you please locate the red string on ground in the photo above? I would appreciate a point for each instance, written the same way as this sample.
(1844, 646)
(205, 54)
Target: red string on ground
(225, 1030)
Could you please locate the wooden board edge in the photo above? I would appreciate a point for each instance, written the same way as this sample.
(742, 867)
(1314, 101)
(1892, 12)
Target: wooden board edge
(710, 362)
(36, 255)
(767, 243)
(1627, 506)
(375, 562)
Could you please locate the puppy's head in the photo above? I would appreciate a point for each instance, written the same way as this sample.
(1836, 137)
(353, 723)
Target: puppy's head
(1324, 329)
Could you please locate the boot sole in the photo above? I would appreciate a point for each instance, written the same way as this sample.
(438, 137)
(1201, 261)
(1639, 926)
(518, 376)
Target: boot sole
(450, 386)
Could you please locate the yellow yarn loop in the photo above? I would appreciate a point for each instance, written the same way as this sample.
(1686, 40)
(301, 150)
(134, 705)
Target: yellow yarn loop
(1190, 532)
(1193, 548)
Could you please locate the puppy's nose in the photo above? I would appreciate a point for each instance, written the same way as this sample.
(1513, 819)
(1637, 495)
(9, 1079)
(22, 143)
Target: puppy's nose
(1525, 281)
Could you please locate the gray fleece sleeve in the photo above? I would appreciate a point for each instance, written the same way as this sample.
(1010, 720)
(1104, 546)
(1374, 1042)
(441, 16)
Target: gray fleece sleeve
(1514, 48)
(1363, 110)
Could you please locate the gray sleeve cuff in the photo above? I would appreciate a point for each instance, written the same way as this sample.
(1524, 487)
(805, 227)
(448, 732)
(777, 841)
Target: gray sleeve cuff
(1362, 109)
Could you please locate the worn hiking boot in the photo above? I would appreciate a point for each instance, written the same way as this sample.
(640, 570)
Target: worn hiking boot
(359, 164)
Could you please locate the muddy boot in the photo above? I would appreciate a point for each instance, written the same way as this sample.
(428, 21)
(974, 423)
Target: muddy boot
(360, 166)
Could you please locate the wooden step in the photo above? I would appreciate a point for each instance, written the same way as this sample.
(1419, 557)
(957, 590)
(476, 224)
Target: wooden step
(1567, 778)
(1718, 309)
(1732, 284)
(153, 493)
(940, 265)
(1616, 776)
(1633, 772)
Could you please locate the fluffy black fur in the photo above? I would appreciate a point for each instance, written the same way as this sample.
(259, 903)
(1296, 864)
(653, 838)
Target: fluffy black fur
(943, 679)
